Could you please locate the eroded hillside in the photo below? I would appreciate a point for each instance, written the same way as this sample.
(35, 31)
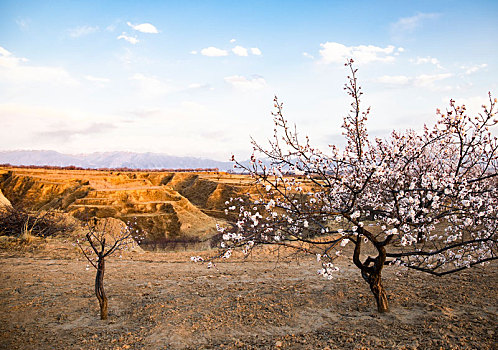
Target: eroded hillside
(165, 205)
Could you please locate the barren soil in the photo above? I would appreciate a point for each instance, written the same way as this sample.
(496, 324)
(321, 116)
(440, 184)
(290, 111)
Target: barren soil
(163, 301)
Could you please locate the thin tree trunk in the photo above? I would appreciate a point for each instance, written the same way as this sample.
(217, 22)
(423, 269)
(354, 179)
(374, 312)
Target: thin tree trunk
(99, 288)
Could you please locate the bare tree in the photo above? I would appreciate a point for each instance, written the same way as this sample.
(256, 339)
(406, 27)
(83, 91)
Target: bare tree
(104, 239)
(426, 201)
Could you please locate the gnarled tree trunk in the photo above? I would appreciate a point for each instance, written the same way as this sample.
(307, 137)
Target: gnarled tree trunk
(374, 280)
(379, 293)
(99, 288)
(371, 270)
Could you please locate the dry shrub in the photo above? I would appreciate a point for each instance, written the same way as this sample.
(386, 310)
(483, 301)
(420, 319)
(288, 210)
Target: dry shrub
(15, 221)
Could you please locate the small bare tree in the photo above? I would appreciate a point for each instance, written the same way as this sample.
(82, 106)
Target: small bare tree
(427, 201)
(104, 239)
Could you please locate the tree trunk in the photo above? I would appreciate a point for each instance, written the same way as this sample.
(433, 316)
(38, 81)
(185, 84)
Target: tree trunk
(99, 288)
(379, 293)
(371, 269)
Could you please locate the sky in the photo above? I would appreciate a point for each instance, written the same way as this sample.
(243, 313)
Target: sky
(198, 78)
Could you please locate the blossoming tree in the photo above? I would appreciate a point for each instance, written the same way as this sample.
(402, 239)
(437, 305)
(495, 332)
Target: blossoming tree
(426, 201)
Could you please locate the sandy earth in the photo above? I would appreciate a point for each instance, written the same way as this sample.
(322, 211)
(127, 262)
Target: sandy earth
(163, 301)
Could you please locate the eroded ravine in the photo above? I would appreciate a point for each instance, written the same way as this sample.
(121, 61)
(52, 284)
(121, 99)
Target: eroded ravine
(164, 205)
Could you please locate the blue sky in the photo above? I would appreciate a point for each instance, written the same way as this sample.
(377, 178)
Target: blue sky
(198, 78)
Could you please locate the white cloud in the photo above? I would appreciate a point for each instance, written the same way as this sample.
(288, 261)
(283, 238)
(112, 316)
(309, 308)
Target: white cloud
(82, 31)
(213, 52)
(428, 59)
(4, 52)
(473, 69)
(409, 24)
(245, 84)
(130, 39)
(194, 52)
(425, 60)
(40, 127)
(240, 51)
(151, 86)
(423, 80)
(233, 40)
(144, 28)
(399, 50)
(305, 54)
(333, 52)
(97, 79)
(16, 70)
(255, 51)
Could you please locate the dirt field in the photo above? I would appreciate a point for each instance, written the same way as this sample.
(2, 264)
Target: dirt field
(163, 301)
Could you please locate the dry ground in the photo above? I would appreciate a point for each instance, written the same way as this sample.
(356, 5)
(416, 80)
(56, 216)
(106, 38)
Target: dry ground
(163, 301)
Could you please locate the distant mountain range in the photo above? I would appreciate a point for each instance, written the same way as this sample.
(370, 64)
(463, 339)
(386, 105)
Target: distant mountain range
(110, 160)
